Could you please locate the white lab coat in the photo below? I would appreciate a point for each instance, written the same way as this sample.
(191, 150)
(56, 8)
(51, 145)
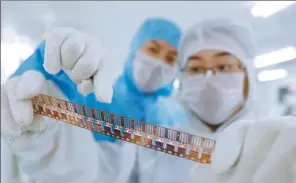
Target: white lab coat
(9, 166)
(166, 168)
(236, 39)
(68, 154)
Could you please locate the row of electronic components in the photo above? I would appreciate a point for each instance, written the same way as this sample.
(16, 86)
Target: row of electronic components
(127, 124)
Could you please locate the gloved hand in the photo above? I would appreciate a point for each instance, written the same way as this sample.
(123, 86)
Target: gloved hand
(16, 107)
(248, 152)
(42, 144)
(83, 58)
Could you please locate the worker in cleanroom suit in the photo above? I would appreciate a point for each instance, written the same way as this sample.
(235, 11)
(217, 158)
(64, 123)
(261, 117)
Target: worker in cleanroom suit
(69, 65)
(217, 88)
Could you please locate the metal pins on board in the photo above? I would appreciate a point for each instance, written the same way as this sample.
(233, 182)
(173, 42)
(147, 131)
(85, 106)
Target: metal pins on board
(162, 139)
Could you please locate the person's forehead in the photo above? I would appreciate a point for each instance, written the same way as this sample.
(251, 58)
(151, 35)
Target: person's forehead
(211, 53)
(163, 44)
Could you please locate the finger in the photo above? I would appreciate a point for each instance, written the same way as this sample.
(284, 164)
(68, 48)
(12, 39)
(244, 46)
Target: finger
(53, 45)
(86, 87)
(70, 75)
(103, 87)
(88, 63)
(8, 126)
(72, 50)
(37, 125)
(228, 146)
(22, 110)
(279, 162)
(30, 84)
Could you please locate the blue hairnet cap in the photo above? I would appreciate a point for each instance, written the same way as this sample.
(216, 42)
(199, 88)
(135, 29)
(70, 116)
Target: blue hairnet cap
(152, 29)
(157, 29)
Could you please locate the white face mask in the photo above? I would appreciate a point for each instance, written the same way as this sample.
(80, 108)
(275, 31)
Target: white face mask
(213, 98)
(150, 74)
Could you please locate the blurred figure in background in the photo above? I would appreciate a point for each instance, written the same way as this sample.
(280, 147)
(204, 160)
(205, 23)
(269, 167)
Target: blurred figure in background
(291, 110)
(70, 65)
(290, 102)
(216, 91)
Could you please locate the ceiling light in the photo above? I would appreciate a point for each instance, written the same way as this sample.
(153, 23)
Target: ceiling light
(275, 57)
(271, 75)
(265, 9)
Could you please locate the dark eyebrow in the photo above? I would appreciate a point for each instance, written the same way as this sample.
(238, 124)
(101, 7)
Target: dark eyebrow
(173, 52)
(155, 43)
(221, 54)
(194, 57)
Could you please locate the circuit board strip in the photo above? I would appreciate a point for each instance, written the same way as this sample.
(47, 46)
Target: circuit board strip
(156, 137)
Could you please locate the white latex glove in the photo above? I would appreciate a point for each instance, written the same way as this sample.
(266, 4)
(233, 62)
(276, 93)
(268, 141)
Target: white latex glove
(248, 152)
(42, 144)
(83, 58)
(16, 107)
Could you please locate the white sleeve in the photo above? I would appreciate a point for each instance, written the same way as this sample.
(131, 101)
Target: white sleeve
(9, 167)
(60, 154)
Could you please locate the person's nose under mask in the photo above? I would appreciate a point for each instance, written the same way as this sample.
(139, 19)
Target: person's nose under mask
(215, 98)
(151, 74)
